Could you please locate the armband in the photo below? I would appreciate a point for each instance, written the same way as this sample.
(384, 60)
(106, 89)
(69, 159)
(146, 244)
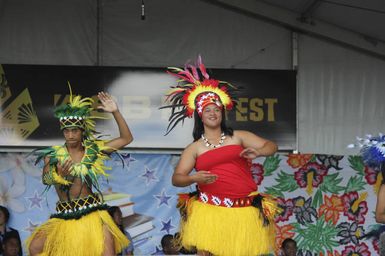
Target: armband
(48, 179)
(52, 178)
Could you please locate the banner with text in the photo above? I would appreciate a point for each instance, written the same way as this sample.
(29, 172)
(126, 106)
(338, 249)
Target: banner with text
(29, 93)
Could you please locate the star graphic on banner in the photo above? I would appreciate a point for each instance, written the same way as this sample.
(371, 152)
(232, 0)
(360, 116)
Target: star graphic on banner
(158, 251)
(163, 198)
(35, 200)
(149, 175)
(167, 226)
(126, 158)
(31, 226)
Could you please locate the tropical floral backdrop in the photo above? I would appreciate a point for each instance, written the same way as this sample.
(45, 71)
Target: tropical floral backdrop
(328, 200)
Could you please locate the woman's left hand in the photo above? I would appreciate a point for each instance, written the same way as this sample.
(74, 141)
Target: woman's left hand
(249, 153)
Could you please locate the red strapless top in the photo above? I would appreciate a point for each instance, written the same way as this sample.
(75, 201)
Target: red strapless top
(234, 175)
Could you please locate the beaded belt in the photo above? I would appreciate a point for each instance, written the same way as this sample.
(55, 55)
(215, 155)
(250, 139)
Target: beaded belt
(78, 204)
(225, 201)
(77, 208)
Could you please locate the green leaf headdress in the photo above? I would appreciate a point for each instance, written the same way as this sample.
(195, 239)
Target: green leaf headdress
(77, 113)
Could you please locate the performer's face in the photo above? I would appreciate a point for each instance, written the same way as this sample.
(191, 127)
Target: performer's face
(290, 249)
(212, 115)
(72, 135)
(11, 247)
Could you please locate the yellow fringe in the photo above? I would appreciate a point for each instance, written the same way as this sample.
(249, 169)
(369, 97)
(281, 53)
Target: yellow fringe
(81, 237)
(269, 205)
(59, 179)
(226, 231)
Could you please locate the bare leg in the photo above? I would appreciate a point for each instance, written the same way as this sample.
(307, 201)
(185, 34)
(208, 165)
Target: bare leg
(204, 253)
(109, 246)
(37, 245)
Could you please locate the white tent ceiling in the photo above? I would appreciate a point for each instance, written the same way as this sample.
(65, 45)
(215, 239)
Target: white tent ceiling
(365, 17)
(356, 24)
(99, 29)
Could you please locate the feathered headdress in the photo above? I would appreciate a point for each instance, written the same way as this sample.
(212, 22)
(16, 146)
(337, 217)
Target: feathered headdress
(194, 91)
(77, 113)
(372, 149)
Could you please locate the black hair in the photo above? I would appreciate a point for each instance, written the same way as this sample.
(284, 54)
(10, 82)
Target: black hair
(166, 240)
(382, 169)
(10, 235)
(6, 213)
(199, 128)
(112, 209)
(288, 241)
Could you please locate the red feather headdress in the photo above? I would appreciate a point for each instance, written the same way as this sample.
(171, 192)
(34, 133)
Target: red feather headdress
(194, 91)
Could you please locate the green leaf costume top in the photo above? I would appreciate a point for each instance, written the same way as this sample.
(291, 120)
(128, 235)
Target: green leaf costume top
(88, 169)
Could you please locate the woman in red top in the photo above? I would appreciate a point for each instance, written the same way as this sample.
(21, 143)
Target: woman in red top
(227, 216)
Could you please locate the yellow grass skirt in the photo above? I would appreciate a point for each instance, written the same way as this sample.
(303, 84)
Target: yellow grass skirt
(226, 231)
(78, 237)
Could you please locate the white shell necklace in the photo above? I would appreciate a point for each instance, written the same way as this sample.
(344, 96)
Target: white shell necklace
(209, 145)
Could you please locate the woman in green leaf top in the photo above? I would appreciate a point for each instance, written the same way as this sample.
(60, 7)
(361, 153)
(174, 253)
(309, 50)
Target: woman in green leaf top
(81, 226)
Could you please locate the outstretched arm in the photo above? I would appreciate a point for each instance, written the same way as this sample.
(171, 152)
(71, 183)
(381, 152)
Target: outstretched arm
(125, 136)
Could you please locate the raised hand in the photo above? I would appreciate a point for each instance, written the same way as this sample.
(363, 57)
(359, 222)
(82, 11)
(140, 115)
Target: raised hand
(249, 153)
(108, 104)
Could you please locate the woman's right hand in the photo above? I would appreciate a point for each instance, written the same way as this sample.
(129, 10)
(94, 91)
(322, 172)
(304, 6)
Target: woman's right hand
(204, 177)
(64, 168)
